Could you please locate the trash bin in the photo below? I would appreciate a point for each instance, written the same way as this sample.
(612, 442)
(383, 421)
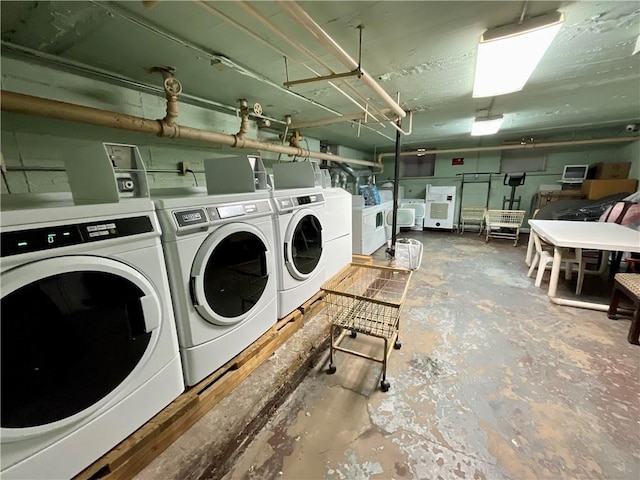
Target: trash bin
(408, 253)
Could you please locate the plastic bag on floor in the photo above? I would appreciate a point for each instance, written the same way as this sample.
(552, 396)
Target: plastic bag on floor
(408, 253)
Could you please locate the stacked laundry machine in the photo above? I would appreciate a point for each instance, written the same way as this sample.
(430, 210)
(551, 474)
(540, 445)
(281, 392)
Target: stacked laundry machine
(89, 348)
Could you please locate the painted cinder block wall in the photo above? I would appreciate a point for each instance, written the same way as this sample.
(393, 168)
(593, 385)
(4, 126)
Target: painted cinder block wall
(35, 141)
(29, 141)
(475, 194)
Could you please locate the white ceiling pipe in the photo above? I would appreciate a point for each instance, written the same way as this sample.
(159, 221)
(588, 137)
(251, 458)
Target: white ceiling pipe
(564, 143)
(258, 15)
(44, 107)
(344, 118)
(307, 53)
(367, 107)
(300, 16)
(330, 121)
(304, 51)
(115, 9)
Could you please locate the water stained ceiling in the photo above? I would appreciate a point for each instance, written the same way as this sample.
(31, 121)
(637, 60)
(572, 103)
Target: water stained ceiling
(588, 80)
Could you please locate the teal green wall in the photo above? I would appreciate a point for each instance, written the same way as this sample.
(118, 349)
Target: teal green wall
(475, 194)
(34, 141)
(29, 141)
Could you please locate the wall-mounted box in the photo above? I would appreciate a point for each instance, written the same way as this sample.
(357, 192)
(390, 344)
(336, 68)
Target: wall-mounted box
(98, 178)
(606, 171)
(595, 189)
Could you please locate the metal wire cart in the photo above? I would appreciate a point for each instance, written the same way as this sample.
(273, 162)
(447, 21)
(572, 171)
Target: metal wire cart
(504, 224)
(366, 299)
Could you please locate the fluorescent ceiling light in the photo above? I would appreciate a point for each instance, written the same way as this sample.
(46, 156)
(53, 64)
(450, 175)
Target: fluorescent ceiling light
(486, 126)
(508, 55)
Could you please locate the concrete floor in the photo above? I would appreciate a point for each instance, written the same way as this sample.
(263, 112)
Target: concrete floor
(493, 381)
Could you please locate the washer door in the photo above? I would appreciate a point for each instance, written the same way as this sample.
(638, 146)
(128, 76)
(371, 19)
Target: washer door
(72, 330)
(303, 244)
(230, 273)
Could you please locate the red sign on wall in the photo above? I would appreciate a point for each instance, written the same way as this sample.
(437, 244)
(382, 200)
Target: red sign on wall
(457, 161)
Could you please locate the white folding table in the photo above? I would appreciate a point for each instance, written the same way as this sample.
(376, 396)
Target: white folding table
(582, 235)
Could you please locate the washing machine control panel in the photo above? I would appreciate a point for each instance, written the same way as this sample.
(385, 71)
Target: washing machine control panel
(222, 212)
(289, 203)
(45, 238)
(188, 218)
(308, 199)
(228, 211)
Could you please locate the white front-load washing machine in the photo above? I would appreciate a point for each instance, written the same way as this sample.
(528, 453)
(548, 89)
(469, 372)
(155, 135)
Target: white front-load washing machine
(222, 274)
(300, 255)
(337, 230)
(89, 348)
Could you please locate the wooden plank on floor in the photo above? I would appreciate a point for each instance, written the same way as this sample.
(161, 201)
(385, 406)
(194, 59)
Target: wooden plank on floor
(310, 304)
(170, 418)
(138, 450)
(355, 258)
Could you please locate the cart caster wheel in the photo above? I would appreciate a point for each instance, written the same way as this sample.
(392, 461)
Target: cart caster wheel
(397, 345)
(384, 386)
(353, 334)
(332, 369)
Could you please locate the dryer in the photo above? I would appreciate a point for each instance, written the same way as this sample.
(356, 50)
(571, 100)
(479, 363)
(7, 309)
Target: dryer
(300, 254)
(337, 230)
(440, 205)
(89, 348)
(222, 274)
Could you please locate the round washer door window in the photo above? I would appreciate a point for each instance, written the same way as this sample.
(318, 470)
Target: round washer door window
(230, 273)
(303, 244)
(72, 330)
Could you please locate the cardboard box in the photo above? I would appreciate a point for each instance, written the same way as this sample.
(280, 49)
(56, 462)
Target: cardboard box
(605, 171)
(595, 189)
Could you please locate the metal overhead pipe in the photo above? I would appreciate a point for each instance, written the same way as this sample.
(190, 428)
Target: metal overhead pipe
(331, 121)
(304, 51)
(172, 88)
(115, 9)
(29, 105)
(65, 64)
(298, 14)
(354, 173)
(244, 114)
(562, 143)
(396, 181)
(267, 22)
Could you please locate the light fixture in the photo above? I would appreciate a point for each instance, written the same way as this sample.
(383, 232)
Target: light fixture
(508, 55)
(486, 125)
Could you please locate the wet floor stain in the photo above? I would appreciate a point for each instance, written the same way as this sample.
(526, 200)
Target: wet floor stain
(492, 382)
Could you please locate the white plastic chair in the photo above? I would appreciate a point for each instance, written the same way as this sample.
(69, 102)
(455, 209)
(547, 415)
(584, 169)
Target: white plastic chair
(543, 257)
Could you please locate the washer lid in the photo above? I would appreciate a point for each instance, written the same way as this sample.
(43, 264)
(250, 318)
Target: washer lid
(230, 273)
